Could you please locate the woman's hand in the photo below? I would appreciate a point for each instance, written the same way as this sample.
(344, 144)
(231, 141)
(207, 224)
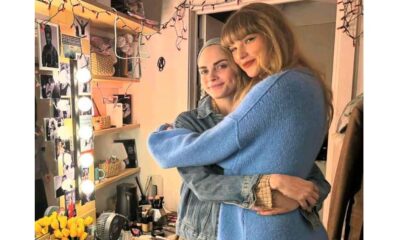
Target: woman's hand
(282, 204)
(303, 191)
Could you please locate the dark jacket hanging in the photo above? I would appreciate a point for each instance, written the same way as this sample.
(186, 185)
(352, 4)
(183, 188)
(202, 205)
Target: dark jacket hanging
(347, 192)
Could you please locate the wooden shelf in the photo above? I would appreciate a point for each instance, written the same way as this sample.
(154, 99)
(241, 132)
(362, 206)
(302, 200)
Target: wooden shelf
(103, 21)
(98, 78)
(126, 173)
(114, 130)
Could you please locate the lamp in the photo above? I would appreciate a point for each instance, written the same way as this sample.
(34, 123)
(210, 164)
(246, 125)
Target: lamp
(85, 132)
(86, 160)
(84, 104)
(83, 74)
(87, 187)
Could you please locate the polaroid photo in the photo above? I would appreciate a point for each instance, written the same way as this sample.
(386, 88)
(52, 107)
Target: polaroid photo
(62, 147)
(85, 174)
(70, 204)
(64, 80)
(58, 191)
(50, 87)
(82, 27)
(68, 165)
(51, 126)
(62, 108)
(71, 46)
(48, 45)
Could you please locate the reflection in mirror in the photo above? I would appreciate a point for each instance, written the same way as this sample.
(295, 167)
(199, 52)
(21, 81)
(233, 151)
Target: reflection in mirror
(45, 165)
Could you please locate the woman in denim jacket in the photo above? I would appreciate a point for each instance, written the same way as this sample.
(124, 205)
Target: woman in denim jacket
(284, 117)
(203, 188)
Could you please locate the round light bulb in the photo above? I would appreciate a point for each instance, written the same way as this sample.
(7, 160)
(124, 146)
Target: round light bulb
(84, 104)
(85, 132)
(87, 187)
(86, 160)
(83, 75)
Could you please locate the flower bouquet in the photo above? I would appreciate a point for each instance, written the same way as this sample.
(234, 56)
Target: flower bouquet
(60, 227)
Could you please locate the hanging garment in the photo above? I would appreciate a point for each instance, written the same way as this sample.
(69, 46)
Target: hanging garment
(346, 209)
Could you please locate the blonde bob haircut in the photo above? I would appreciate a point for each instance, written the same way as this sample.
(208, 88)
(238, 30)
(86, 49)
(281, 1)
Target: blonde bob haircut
(282, 53)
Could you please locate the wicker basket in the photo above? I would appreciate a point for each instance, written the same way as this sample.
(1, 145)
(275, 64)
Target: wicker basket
(111, 167)
(102, 65)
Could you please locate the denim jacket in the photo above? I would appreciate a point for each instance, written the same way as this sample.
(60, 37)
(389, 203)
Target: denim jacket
(204, 188)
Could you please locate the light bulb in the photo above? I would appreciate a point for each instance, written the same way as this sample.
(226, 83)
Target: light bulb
(87, 187)
(83, 75)
(84, 104)
(85, 132)
(86, 160)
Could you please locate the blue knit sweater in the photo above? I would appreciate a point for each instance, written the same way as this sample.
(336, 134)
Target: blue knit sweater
(278, 128)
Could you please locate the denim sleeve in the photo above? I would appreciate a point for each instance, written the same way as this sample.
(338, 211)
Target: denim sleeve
(319, 180)
(324, 187)
(207, 185)
(208, 182)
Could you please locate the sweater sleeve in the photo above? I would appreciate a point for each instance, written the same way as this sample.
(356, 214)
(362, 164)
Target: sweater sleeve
(181, 147)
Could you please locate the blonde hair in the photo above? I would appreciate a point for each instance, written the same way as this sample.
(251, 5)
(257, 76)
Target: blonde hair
(283, 52)
(241, 77)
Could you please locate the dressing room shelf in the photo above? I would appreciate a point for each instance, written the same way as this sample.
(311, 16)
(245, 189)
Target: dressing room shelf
(125, 173)
(115, 130)
(102, 21)
(97, 78)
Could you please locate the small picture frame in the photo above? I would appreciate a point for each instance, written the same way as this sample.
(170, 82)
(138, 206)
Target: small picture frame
(50, 87)
(49, 49)
(62, 108)
(64, 80)
(126, 100)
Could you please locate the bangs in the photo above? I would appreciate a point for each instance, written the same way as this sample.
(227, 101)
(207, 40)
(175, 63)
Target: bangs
(238, 26)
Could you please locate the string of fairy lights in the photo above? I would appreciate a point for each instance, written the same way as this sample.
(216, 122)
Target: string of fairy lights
(352, 11)
(176, 19)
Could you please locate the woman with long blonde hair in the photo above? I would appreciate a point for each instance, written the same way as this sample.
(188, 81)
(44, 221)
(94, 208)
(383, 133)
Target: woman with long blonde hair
(278, 126)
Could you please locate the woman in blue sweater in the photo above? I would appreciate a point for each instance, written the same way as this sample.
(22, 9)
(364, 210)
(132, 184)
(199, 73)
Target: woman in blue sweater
(204, 188)
(278, 127)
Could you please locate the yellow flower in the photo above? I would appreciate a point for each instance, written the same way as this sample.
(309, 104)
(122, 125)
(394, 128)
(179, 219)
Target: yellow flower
(38, 228)
(79, 231)
(71, 222)
(72, 231)
(63, 221)
(83, 236)
(65, 232)
(58, 234)
(64, 238)
(88, 221)
(54, 224)
(45, 229)
(44, 221)
(79, 221)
